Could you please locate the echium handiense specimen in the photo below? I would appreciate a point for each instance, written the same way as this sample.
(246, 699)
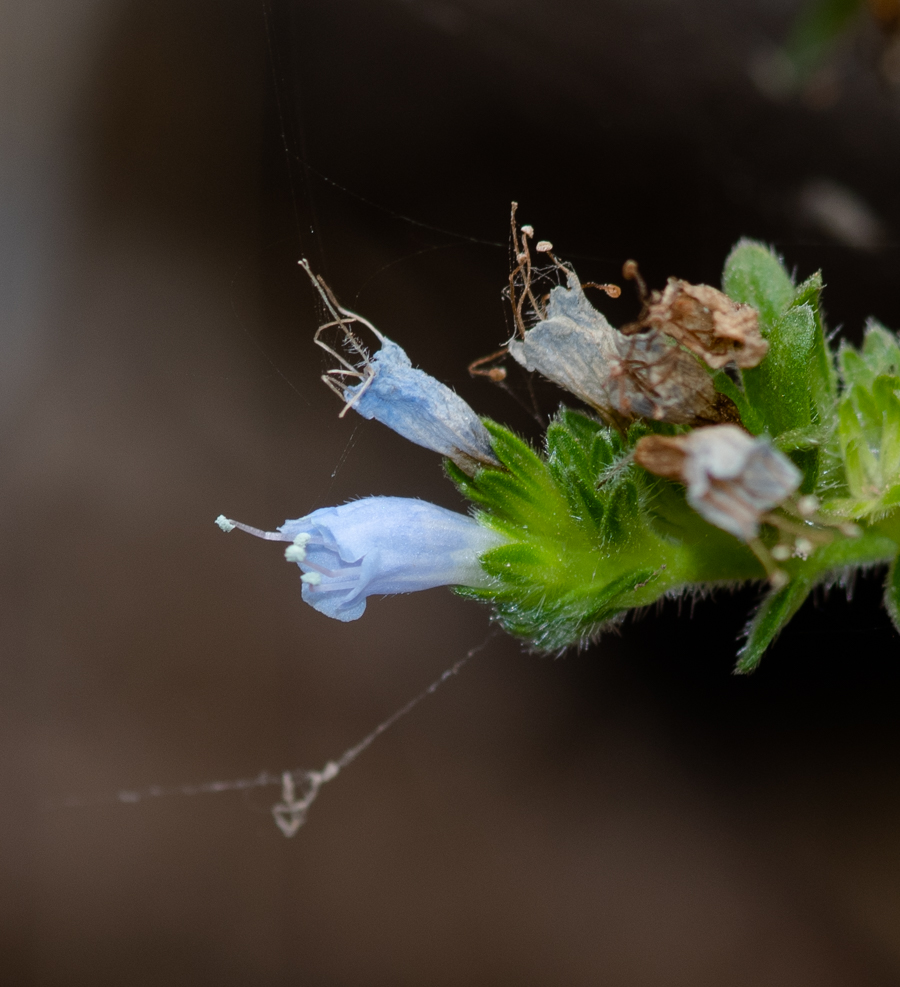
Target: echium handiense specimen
(716, 440)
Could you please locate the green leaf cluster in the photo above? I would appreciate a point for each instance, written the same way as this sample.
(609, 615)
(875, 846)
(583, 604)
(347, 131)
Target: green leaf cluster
(791, 395)
(869, 425)
(579, 548)
(845, 443)
(591, 535)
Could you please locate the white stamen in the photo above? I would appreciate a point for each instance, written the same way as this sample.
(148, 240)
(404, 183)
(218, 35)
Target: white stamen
(297, 551)
(225, 524)
(312, 578)
(543, 246)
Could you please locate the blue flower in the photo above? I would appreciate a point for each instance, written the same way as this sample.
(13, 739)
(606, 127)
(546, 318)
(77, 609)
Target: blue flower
(420, 408)
(379, 545)
(393, 392)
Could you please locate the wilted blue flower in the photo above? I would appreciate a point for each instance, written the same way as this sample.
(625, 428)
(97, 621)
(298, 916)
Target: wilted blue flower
(392, 391)
(622, 377)
(420, 408)
(379, 545)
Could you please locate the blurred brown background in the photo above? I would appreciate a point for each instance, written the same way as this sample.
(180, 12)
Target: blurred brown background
(631, 815)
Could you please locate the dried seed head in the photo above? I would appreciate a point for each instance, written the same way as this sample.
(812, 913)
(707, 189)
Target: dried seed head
(708, 323)
(732, 478)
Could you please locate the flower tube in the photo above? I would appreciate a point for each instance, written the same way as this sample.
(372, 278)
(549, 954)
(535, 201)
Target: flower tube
(379, 545)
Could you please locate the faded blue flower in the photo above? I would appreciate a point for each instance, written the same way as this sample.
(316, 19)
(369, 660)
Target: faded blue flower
(732, 478)
(420, 408)
(622, 377)
(379, 545)
(392, 391)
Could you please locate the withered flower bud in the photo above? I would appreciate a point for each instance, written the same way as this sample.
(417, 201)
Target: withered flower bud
(623, 377)
(731, 477)
(707, 322)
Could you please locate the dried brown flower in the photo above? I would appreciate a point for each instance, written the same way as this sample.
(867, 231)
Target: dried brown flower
(623, 376)
(704, 320)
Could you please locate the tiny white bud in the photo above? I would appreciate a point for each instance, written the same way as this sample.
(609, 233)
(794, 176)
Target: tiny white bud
(781, 552)
(808, 505)
(779, 579)
(311, 578)
(225, 524)
(803, 548)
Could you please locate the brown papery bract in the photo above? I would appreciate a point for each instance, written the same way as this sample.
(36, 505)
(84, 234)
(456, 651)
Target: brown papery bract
(707, 322)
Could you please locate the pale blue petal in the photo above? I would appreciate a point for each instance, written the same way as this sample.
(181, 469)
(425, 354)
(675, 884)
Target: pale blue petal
(385, 545)
(420, 408)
